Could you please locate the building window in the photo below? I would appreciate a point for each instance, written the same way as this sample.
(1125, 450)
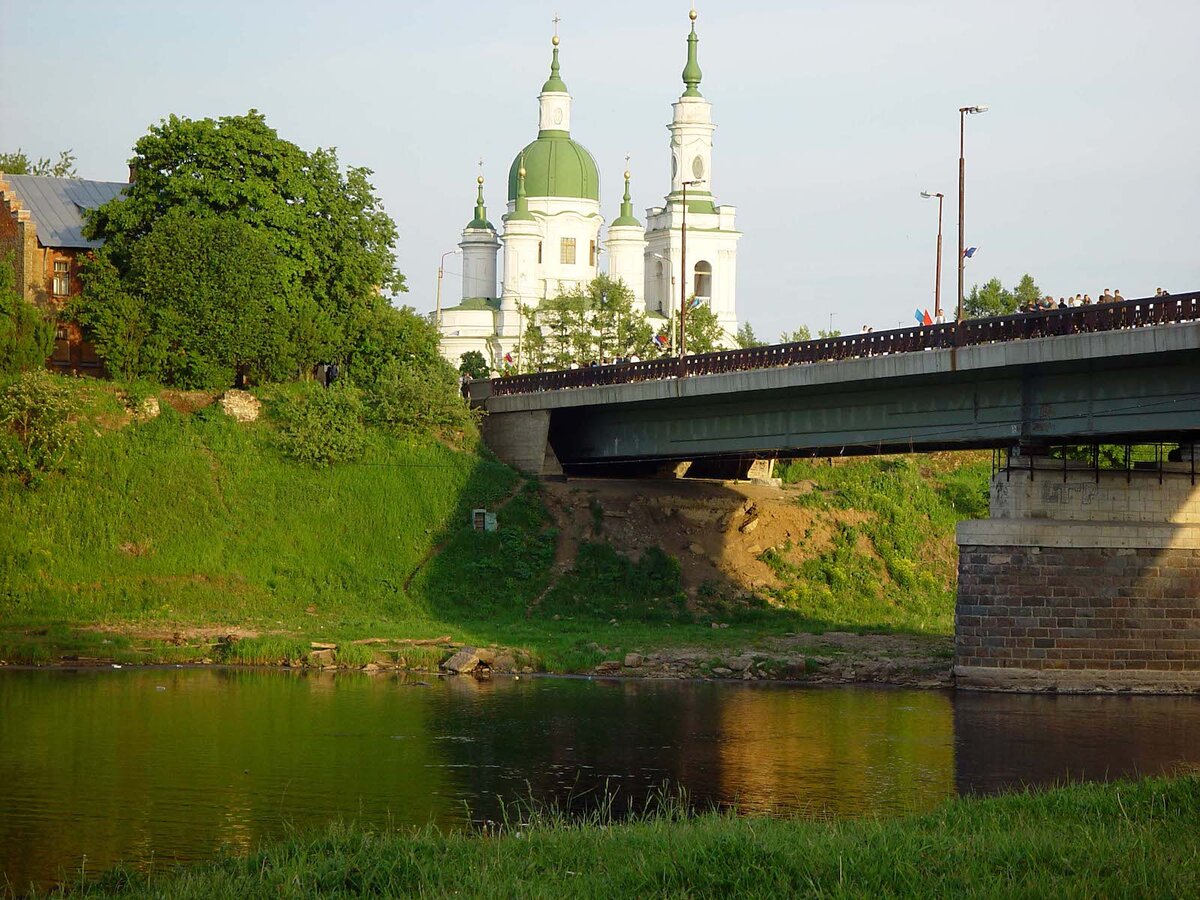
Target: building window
(703, 280)
(62, 278)
(539, 253)
(592, 253)
(566, 254)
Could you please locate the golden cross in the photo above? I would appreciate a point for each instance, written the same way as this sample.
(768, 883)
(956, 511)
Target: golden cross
(556, 20)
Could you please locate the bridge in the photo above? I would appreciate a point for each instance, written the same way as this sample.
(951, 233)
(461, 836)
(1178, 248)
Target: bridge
(1116, 373)
(1082, 579)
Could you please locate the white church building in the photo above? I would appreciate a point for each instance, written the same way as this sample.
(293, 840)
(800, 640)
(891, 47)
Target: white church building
(551, 237)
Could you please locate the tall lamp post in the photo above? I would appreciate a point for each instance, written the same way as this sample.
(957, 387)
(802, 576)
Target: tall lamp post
(670, 292)
(683, 278)
(962, 168)
(937, 280)
(437, 314)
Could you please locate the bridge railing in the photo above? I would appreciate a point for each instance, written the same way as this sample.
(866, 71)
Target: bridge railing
(1020, 326)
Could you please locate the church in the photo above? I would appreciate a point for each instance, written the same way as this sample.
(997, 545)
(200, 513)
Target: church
(551, 230)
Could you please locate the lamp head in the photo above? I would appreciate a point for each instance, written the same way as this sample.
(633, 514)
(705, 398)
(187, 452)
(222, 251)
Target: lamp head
(972, 110)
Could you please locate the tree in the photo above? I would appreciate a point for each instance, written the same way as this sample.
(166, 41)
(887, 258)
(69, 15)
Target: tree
(197, 308)
(704, 332)
(326, 228)
(26, 332)
(19, 164)
(746, 337)
(800, 334)
(993, 299)
(1026, 292)
(591, 322)
(473, 365)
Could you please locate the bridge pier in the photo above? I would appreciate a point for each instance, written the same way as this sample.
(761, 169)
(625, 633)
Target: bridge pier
(1082, 580)
(522, 440)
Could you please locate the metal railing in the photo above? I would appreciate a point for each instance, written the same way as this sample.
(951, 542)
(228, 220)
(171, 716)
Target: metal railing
(1020, 326)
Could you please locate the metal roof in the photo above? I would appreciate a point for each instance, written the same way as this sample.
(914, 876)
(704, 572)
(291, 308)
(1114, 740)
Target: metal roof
(56, 205)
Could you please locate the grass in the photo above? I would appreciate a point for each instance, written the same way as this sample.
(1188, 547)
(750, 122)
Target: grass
(1121, 839)
(190, 521)
(896, 565)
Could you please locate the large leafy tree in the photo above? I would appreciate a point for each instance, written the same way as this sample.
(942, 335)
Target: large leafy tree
(325, 227)
(19, 163)
(198, 307)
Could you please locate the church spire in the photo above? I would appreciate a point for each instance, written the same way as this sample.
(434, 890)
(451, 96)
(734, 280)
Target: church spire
(554, 84)
(480, 220)
(520, 211)
(627, 217)
(691, 72)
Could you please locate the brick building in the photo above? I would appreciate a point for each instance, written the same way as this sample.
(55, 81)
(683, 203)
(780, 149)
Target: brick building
(41, 236)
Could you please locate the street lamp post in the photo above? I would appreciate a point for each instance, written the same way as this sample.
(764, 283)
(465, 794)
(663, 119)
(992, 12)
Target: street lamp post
(683, 278)
(962, 168)
(937, 279)
(437, 314)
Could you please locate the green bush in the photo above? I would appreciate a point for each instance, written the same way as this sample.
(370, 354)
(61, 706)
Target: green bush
(37, 425)
(322, 426)
(405, 396)
(26, 332)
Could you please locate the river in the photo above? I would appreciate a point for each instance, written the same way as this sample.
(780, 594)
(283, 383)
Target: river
(174, 764)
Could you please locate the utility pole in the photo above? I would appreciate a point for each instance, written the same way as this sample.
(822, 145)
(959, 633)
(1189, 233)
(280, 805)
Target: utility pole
(937, 279)
(962, 169)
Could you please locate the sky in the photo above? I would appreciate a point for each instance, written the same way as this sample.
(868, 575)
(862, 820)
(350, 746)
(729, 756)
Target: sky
(832, 118)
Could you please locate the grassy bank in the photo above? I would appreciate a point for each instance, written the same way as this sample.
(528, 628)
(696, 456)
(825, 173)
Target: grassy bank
(165, 535)
(1122, 839)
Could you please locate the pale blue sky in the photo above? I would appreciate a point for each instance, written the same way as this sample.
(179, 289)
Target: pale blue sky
(832, 118)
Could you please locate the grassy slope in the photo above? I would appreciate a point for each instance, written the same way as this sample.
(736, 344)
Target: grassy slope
(194, 520)
(1123, 839)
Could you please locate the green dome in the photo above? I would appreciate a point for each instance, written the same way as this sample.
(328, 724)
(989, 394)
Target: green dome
(556, 166)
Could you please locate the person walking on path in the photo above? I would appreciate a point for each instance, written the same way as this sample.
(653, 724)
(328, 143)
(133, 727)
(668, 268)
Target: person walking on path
(331, 374)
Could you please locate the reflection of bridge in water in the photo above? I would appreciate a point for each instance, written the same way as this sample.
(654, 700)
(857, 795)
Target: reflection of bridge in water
(1093, 584)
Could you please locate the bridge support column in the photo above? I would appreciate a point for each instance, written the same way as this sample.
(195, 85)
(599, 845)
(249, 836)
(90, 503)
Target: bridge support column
(1081, 582)
(522, 440)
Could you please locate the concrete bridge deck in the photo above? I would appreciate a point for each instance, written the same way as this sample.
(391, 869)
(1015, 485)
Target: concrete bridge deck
(1138, 384)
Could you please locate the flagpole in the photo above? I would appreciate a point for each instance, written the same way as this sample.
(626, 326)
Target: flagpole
(963, 112)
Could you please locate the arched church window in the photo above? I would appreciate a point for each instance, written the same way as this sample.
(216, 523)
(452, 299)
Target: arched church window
(539, 253)
(703, 282)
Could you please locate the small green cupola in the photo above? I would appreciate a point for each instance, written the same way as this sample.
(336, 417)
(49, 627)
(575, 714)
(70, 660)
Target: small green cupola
(554, 84)
(481, 220)
(627, 217)
(691, 72)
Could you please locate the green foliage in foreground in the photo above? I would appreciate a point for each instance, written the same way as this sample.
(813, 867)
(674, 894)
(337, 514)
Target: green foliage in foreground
(1122, 839)
(37, 431)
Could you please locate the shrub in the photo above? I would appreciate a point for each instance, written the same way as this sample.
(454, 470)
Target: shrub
(322, 426)
(408, 396)
(37, 424)
(26, 332)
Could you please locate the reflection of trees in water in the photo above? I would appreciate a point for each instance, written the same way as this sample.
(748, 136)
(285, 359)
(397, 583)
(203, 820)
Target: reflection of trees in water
(760, 747)
(1008, 740)
(105, 765)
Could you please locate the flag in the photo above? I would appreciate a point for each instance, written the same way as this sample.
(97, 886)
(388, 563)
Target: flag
(927, 319)
(969, 252)
(661, 340)
(508, 358)
(919, 316)
(694, 302)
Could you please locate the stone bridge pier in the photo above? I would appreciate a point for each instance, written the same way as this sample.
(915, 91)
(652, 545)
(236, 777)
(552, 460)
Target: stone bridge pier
(1082, 580)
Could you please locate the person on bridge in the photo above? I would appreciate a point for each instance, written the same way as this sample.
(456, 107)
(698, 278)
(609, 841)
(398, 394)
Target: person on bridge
(1106, 297)
(1117, 298)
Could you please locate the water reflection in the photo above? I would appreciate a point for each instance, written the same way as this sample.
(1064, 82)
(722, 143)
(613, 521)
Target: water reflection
(175, 764)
